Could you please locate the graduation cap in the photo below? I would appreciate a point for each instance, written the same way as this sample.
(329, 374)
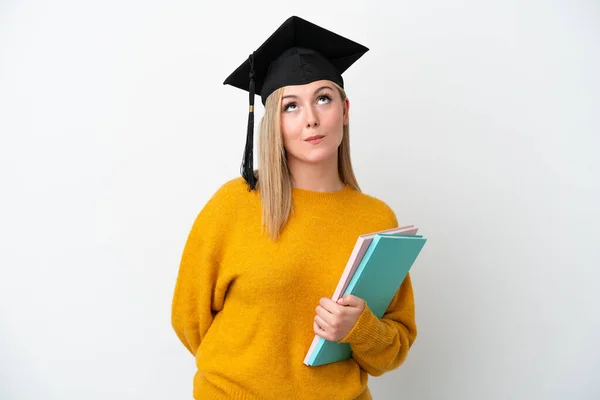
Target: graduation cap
(297, 53)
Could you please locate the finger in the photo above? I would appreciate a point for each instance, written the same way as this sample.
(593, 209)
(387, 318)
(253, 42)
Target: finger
(317, 328)
(318, 331)
(321, 323)
(329, 305)
(325, 315)
(350, 300)
(324, 334)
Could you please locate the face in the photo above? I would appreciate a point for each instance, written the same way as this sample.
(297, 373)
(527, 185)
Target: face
(312, 121)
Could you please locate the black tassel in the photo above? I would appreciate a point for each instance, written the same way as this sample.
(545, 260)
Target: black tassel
(247, 163)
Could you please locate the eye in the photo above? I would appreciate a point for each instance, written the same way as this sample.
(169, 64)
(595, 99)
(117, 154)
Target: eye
(324, 99)
(290, 107)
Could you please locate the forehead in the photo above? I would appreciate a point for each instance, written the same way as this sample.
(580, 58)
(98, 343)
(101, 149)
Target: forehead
(306, 89)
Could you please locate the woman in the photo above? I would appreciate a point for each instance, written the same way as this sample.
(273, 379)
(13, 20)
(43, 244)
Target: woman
(269, 247)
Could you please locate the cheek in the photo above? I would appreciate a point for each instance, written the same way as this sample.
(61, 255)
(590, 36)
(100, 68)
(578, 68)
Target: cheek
(290, 128)
(333, 121)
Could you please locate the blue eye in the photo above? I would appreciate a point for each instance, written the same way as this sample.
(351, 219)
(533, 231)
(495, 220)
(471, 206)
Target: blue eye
(324, 99)
(287, 106)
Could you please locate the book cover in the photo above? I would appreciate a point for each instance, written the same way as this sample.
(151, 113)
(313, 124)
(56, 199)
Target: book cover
(376, 280)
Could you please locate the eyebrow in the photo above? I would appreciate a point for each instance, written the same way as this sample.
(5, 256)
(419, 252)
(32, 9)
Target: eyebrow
(316, 91)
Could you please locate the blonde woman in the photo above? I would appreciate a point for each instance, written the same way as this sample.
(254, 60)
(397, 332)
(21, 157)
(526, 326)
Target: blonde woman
(268, 248)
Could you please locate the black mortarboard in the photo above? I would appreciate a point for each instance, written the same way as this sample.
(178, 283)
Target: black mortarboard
(297, 53)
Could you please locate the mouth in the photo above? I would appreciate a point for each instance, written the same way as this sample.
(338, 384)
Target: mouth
(314, 138)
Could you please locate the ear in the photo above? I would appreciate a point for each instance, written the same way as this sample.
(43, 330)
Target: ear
(346, 111)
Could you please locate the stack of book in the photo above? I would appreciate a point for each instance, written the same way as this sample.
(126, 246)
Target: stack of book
(375, 270)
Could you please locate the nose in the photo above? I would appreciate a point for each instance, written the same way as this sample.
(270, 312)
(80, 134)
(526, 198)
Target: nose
(312, 120)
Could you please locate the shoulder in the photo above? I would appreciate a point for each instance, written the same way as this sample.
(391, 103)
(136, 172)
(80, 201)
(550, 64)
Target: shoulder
(377, 209)
(225, 202)
(231, 191)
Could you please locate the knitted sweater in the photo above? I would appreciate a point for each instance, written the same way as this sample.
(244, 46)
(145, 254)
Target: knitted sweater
(244, 305)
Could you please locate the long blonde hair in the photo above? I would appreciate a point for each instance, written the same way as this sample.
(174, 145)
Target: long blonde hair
(274, 179)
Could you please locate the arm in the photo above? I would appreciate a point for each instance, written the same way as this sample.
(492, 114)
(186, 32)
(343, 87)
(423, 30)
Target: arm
(381, 345)
(194, 305)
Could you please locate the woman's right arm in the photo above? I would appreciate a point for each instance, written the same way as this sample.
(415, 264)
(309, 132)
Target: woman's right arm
(196, 291)
(201, 282)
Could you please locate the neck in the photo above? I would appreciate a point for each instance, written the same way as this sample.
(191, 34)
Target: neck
(319, 177)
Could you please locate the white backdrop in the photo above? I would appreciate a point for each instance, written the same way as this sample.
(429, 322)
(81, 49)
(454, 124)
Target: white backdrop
(477, 121)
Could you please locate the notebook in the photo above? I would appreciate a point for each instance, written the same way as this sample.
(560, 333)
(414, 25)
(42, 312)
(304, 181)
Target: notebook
(360, 248)
(376, 279)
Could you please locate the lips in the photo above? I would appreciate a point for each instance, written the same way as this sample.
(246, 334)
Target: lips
(316, 137)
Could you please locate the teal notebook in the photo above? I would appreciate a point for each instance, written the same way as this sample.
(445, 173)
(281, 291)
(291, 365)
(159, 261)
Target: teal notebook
(376, 280)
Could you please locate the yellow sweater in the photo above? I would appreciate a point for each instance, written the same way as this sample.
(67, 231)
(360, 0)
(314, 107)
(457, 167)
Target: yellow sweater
(244, 305)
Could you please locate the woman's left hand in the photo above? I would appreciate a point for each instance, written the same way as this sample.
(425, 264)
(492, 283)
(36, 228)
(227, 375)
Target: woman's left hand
(334, 321)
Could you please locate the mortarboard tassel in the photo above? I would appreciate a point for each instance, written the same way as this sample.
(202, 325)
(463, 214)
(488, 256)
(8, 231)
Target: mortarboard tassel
(247, 163)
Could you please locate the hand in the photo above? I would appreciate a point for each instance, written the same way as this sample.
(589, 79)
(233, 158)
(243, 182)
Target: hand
(335, 320)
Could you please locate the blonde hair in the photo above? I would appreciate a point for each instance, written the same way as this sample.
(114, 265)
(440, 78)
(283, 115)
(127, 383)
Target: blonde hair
(274, 180)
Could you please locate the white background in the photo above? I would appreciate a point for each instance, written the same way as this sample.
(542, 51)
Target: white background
(475, 120)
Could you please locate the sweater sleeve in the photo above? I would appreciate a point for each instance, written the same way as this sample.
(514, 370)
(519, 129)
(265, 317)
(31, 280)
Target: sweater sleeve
(381, 345)
(201, 283)
(194, 306)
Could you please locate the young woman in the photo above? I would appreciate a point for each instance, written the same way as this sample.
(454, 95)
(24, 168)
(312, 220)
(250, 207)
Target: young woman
(268, 248)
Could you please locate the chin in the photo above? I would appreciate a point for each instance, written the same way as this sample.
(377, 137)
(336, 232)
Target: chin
(316, 157)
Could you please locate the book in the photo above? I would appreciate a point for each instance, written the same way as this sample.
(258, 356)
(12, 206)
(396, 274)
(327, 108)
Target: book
(360, 248)
(374, 276)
